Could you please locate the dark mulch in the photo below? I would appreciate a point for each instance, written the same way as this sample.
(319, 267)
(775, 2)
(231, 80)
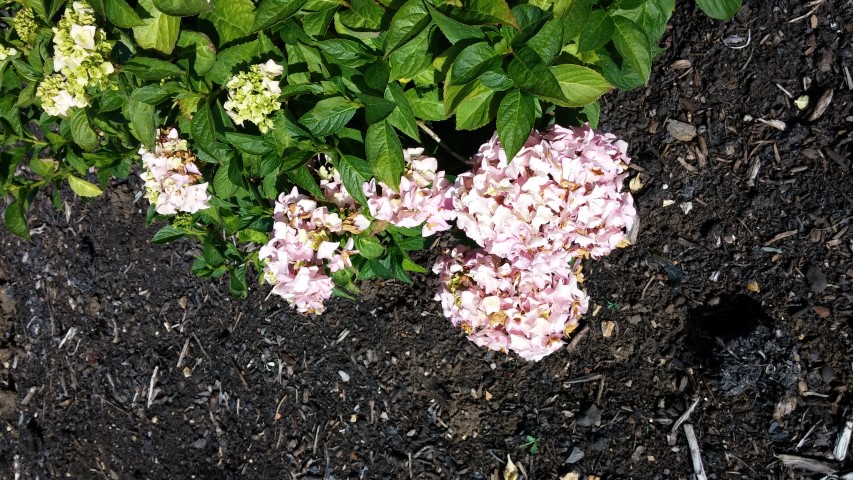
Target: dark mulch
(739, 293)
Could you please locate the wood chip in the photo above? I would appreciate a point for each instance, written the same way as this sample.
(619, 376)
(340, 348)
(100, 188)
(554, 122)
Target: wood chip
(753, 287)
(843, 442)
(607, 328)
(682, 64)
(820, 106)
(695, 453)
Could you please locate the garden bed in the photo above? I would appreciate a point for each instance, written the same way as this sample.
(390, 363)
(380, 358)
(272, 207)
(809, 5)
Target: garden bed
(117, 363)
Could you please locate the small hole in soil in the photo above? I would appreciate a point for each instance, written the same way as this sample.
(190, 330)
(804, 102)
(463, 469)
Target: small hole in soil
(733, 316)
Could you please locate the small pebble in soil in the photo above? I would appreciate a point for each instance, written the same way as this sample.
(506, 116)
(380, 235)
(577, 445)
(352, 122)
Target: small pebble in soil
(344, 375)
(575, 456)
(590, 417)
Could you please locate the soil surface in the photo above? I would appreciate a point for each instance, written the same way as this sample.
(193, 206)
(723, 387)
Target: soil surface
(737, 300)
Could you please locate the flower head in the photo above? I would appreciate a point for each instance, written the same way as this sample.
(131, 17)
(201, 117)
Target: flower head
(171, 176)
(561, 193)
(57, 95)
(424, 197)
(253, 95)
(305, 248)
(504, 307)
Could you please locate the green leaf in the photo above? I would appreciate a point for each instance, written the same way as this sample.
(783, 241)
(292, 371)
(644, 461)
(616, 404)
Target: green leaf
(515, 121)
(82, 132)
(15, 218)
(167, 234)
(476, 108)
(355, 172)
(385, 153)
(597, 32)
(403, 117)
(199, 49)
(271, 12)
(154, 93)
(529, 72)
(652, 17)
(303, 178)
(159, 32)
(376, 109)
(364, 15)
(409, 21)
(592, 112)
(346, 52)
(232, 19)
(44, 167)
(76, 162)
(120, 14)
(548, 41)
(83, 188)
(472, 61)
(413, 57)
(490, 11)
(228, 59)
(455, 31)
(369, 247)
(146, 68)
(181, 8)
(204, 132)
(719, 9)
(410, 266)
(580, 85)
(328, 116)
(633, 45)
(222, 185)
(427, 105)
(141, 116)
(251, 144)
(238, 282)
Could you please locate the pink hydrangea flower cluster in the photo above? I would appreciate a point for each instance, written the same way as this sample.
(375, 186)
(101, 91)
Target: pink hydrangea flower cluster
(171, 176)
(535, 216)
(305, 248)
(425, 196)
(561, 193)
(502, 306)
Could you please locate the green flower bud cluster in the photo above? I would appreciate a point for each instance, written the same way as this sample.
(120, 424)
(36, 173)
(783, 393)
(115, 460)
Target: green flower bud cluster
(79, 58)
(25, 24)
(253, 95)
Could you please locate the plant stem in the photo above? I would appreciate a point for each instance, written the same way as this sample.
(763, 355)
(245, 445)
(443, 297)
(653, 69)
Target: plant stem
(441, 143)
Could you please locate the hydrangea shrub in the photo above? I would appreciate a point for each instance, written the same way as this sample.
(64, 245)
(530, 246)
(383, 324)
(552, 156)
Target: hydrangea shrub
(295, 139)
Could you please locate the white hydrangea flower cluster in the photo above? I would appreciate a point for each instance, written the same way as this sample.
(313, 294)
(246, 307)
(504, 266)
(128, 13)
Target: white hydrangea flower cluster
(253, 95)
(79, 59)
(171, 175)
(7, 52)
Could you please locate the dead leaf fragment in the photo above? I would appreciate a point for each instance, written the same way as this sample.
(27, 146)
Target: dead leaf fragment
(682, 64)
(821, 312)
(488, 396)
(635, 184)
(607, 327)
(753, 287)
(571, 476)
(511, 471)
(680, 130)
(784, 407)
